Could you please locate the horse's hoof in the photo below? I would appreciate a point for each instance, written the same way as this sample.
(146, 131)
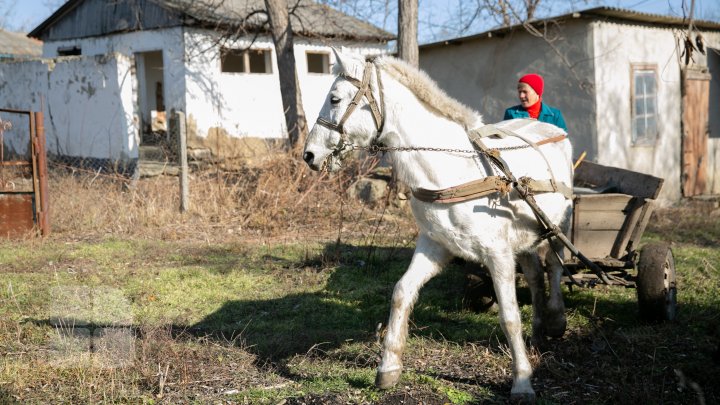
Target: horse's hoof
(555, 327)
(538, 340)
(523, 398)
(387, 379)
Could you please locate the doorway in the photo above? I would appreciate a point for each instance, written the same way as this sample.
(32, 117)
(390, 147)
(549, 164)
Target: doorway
(151, 97)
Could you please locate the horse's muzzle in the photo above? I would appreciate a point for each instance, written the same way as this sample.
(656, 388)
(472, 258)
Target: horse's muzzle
(309, 158)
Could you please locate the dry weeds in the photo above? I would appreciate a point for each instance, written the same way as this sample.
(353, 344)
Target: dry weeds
(277, 198)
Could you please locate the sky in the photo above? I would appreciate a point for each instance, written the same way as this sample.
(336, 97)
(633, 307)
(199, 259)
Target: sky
(24, 15)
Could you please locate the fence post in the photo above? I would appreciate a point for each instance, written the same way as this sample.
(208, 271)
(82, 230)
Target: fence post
(39, 149)
(179, 118)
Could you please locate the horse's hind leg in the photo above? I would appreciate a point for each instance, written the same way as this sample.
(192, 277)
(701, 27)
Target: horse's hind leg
(535, 277)
(427, 261)
(502, 269)
(555, 322)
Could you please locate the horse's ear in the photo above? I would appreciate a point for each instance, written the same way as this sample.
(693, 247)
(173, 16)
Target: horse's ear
(348, 64)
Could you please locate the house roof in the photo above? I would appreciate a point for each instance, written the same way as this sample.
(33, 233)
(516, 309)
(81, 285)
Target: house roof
(597, 13)
(308, 18)
(16, 45)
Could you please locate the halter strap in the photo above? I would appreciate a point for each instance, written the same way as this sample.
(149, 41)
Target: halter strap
(364, 90)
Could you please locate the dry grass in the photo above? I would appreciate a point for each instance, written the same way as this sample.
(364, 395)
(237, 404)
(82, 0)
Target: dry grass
(276, 198)
(281, 323)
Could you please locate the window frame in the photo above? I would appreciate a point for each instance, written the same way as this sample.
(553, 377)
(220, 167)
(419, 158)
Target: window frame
(645, 139)
(326, 62)
(246, 65)
(72, 50)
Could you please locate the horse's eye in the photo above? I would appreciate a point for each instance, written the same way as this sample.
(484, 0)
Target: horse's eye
(334, 100)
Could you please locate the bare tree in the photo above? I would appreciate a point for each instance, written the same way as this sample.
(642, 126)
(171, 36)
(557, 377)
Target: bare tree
(381, 13)
(291, 98)
(407, 43)
(7, 8)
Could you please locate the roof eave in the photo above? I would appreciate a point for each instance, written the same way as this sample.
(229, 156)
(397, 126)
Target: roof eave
(65, 8)
(593, 13)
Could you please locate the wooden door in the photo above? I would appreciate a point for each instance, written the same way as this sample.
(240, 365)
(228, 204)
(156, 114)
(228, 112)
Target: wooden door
(695, 107)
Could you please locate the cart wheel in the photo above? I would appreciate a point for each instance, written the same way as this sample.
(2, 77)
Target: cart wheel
(656, 283)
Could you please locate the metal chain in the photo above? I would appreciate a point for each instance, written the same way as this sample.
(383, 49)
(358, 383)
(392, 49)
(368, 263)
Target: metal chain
(374, 149)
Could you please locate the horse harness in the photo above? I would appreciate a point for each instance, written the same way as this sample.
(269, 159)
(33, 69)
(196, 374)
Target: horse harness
(364, 90)
(463, 192)
(526, 187)
(496, 184)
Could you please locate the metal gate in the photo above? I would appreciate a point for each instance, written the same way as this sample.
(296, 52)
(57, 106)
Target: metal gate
(23, 174)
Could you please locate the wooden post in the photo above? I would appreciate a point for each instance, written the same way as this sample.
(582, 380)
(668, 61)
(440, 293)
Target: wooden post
(180, 128)
(41, 161)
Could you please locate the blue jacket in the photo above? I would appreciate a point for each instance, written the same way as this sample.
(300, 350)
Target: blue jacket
(547, 114)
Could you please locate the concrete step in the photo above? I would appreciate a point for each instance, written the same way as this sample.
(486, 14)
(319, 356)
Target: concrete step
(152, 169)
(152, 152)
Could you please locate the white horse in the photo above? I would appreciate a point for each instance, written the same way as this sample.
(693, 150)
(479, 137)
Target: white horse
(388, 103)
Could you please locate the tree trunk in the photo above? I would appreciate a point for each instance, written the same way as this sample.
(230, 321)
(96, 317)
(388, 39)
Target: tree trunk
(407, 31)
(289, 88)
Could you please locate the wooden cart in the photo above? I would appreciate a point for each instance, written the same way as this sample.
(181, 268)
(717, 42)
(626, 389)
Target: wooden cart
(612, 207)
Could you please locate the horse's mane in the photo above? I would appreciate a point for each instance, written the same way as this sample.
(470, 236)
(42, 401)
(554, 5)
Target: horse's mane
(428, 92)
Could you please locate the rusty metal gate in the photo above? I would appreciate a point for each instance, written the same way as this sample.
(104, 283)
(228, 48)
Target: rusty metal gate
(23, 174)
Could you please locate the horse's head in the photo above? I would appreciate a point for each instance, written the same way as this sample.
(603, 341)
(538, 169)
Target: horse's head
(351, 116)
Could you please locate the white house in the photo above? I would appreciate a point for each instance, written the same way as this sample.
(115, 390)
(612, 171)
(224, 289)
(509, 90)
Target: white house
(620, 79)
(111, 68)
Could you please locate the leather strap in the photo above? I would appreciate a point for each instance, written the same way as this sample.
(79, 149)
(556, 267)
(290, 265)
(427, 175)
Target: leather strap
(496, 184)
(467, 191)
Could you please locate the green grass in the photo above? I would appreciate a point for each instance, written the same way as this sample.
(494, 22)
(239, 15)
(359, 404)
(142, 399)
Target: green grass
(297, 322)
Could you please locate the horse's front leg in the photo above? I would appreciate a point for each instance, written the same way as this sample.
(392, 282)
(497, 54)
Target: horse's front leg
(427, 261)
(502, 270)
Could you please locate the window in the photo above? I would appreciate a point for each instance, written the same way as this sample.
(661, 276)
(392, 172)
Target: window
(644, 104)
(318, 62)
(245, 61)
(69, 51)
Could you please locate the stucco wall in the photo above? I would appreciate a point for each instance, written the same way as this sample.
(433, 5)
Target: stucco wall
(623, 45)
(226, 111)
(168, 40)
(483, 73)
(87, 103)
(221, 108)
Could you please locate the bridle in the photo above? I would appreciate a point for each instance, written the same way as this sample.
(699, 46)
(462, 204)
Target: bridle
(364, 90)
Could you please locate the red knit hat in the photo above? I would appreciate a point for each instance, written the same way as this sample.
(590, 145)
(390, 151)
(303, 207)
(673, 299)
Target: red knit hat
(535, 81)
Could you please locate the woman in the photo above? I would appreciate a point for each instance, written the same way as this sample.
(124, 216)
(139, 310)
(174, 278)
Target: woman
(530, 90)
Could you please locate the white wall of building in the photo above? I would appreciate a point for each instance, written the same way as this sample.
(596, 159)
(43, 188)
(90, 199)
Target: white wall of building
(88, 103)
(250, 104)
(619, 43)
(234, 104)
(169, 41)
(482, 72)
